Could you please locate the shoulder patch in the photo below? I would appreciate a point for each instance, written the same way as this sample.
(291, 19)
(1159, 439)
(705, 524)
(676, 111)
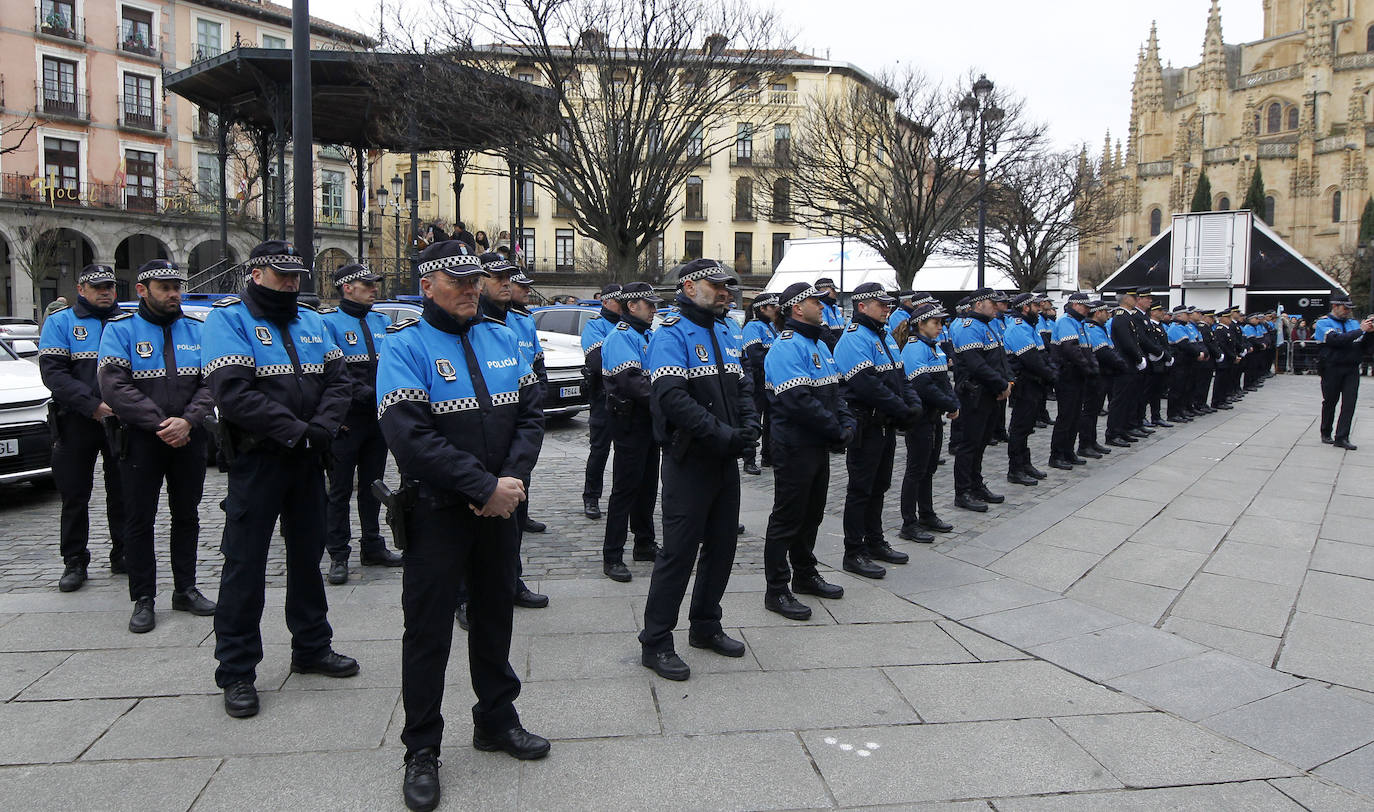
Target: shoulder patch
(851, 328)
(326, 309)
(671, 320)
(594, 317)
(966, 322)
(307, 306)
(227, 300)
(622, 326)
(60, 309)
(125, 315)
(785, 334)
(401, 325)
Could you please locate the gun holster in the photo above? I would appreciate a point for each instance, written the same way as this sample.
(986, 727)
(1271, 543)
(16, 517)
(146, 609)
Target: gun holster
(398, 505)
(117, 436)
(54, 421)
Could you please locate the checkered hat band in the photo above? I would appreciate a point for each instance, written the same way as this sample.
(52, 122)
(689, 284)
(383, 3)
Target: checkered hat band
(100, 276)
(982, 298)
(355, 276)
(162, 273)
(863, 297)
(703, 273)
(639, 294)
(444, 263)
(764, 301)
(274, 259)
(809, 293)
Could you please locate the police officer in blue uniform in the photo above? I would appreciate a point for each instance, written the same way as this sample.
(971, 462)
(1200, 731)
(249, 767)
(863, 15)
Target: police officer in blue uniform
(282, 391)
(759, 334)
(832, 316)
(521, 320)
(460, 407)
(1002, 302)
(68, 354)
(811, 422)
(1044, 326)
(634, 473)
(1342, 342)
(1077, 368)
(1029, 362)
(358, 331)
(599, 431)
(982, 381)
(703, 413)
(150, 375)
(873, 384)
(1187, 351)
(1110, 366)
(927, 371)
(1206, 370)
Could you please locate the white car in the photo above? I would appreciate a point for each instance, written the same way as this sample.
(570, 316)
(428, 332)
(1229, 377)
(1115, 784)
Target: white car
(25, 443)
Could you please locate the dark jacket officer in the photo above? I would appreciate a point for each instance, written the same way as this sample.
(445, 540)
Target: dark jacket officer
(759, 335)
(981, 374)
(927, 370)
(1343, 344)
(598, 429)
(1029, 362)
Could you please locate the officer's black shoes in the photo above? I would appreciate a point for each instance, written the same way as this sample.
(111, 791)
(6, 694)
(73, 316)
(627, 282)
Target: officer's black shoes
(720, 642)
(857, 563)
(667, 664)
(517, 741)
(644, 552)
(382, 558)
(617, 571)
(330, 664)
(531, 526)
(338, 571)
(1041, 424)
(1139, 432)
(1063, 464)
(787, 605)
(590, 508)
(421, 790)
(192, 601)
(72, 578)
(1021, 478)
(934, 523)
(1118, 442)
(117, 565)
(241, 700)
(752, 469)
(1326, 438)
(1099, 448)
(816, 585)
(739, 531)
(882, 551)
(530, 600)
(968, 501)
(1222, 406)
(1089, 452)
(914, 533)
(1076, 460)
(143, 620)
(1161, 424)
(981, 492)
(461, 615)
(1346, 444)
(1037, 473)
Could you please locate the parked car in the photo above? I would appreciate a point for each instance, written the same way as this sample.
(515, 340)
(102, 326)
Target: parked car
(15, 328)
(25, 441)
(397, 310)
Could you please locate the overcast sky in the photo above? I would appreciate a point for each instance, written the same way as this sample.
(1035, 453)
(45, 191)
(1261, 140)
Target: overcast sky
(1073, 60)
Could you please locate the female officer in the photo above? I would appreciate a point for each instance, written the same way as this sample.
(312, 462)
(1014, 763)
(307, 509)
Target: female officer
(927, 369)
(759, 334)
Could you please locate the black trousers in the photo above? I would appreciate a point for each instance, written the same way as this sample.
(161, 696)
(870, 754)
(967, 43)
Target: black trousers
(151, 462)
(976, 420)
(1071, 388)
(1128, 391)
(1154, 392)
(634, 490)
(599, 429)
(448, 546)
(869, 461)
(362, 449)
(1339, 384)
(1026, 399)
(80, 440)
(1180, 393)
(801, 476)
(262, 486)
(1094, 395)
(700, 513)
(1201, 382)
(765, 452)
(918, 482)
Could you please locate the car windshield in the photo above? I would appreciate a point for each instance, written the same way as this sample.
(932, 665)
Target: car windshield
(7, 352)
(17, 320)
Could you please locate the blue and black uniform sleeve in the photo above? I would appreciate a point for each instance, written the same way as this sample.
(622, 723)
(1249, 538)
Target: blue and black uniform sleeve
(969, 355)
(861, 381)
(790, 384)
(56, 367)
(670, 396)
(230, 370)
(116, 378)
(622, 368)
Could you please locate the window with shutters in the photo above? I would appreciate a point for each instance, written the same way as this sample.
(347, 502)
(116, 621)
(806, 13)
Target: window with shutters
(140, 180)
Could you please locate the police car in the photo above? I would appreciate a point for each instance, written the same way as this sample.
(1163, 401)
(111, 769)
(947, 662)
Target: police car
(25, 443)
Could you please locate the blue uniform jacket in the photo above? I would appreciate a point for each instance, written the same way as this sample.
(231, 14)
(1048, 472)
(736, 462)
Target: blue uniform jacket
(872, 379)
(804, 389)
(351, 334)
(1342, 342)
(445, 433)
(1025, 354)
(527, 333)
(68, 355)
(927, 370)
(135, 359)
(623, 356)
(899, 314)
(1183, 342)
(1071, 348)
(979, 357)
(759, 336)
(1109, 361)
(593, 334)
(270, 381)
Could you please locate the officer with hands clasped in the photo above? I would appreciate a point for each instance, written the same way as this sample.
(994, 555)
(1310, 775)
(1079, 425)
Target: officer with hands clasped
(983, 381)
(927, 370)
(460, 408)
(634, 473)
(598, 430)
(703, 415)
(811, 422)
(1078, 368)
(1342, 342)
(759, 334)
(282, 392)
(150, 375)
(358, 332)
(68, 353)
(873, 384)
(1029, 362)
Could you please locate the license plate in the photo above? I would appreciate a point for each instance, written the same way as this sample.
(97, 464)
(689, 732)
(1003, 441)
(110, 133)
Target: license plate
(9, 448)
(563, 392)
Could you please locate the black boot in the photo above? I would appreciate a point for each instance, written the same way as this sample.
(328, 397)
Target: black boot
(143, 619)
(421, 789)
(381, 557)
(1018, 477)
(860, 564)
(1033, 471)
(787, 605)
(752, 469)
(882, 551)
(517, 742)
(590, 509)
(982, 493)
(338, 571)
(72, 578)
(816, 585)
(190, 600)
(1089, 452)
(617, 571)
(934, 523)
(913, 532)
(965, 500)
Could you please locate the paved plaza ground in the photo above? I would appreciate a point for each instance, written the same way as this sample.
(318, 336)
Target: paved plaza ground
(1185, 625)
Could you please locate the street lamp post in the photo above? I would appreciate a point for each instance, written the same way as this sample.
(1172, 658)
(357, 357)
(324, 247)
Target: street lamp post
(980, 112)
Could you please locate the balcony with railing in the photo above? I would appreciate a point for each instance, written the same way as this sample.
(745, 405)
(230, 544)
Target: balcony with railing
(749, 158)
(141, 114)
(205, 127)
(58, 24)
(1278, 150)
(335, 218)
(1269, 77)
(773, 98)
(528, 208)
(744, 212)
(136, 43)
(695, 211)
(62, 102)
(1155, 169)
(204, 52)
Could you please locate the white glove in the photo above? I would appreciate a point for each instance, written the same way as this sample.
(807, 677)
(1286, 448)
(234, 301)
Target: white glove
(1170, 363)
(1221, 359)
(1140, 366)
(1156, 357)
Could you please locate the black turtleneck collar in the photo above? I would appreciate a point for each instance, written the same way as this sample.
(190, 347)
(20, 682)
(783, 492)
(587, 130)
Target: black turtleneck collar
(492, 309)
(636, 323)
(613, 318)
(521, 309)
(871, 323)
(1075, 314)
(974, 314)
(354, 309)
(277, 306)
(85, 309)
(811, 331)
(440, 319)
(829, 299)
(153, 317)
(696, 314)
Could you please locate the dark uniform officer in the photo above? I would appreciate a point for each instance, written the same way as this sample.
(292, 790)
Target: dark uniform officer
(873, 384)
(1186, 345)
(983, 380)
(811, 422)
(150, 375)
(598, 429)
(521, 320)
(1125, 329)
(358, 332)
(634, 474)
(1206, 370)
(1077, 368)
(1228, 344)
(833, 316)
(68, 351)
(460, 408)
(1154, 345)
(282, 391)
(1342, 343)
(759, 334)
(703, 414)
(927, 370)
(1029, 361)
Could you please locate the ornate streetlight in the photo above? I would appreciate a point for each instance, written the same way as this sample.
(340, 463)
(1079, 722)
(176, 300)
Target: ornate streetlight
(983, 119)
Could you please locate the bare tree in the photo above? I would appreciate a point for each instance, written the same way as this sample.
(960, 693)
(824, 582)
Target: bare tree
(636, 97)
(39, 244)
(895, 166)
(14, 133)
(1037, 210)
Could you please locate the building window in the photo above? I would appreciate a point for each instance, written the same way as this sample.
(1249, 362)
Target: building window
(782, 144)
(1223, 203)
(779, 248)
(59, 87)
(62, 164)
(1292, 118)
(136, 31)
(270, 41)
(1258, 130)
(782, 199)
(424, 185)
(137, 103)
(655, 259)
(744, 251)
(140, 180)
(208, 42)
(563, 249)
(744, 142)
(410, 186)
(525, 76)
(207, 176)
(1336, 206)
(1275, 117)
(653, 137)
(1156, 221)
(563, 201)
(695, 143)
(331, 196)
(1269, 210)
(59, 17)
(1369, 39)
(691, 245)
(696, 208)
(527, 193)
(744, 199)
(565, 136)
(527, 247)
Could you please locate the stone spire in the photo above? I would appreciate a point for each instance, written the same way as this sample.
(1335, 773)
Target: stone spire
(1355, 113)
(1150, 81)
(1213, 53)
(1119, 163)
(1318, 24)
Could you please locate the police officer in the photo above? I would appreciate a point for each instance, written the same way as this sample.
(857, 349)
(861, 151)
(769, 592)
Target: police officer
(1153, 338)
(1002, 303)
(150, 375)
(521, 320)
(1077, 369)
(282, 391)
(1206, 370)
(759, 334)
(634, 474)
(1187, 352)
(460, 408)
(811, 421)
(598, 430)
(68, 350)
(1110, 366)
(927, 370)
(358, 332)
(703, 415)
(833, 316)
(873, 384)
(982, 380)
(1342, 343)
(1124, 329)
(1029, 362)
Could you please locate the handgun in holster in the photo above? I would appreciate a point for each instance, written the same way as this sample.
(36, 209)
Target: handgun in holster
(116, 435)
(398, 504)
(680, 442)
(54, 421)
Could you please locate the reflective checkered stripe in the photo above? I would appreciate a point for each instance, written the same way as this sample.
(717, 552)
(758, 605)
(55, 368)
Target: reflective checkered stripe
(188, 370)
(407, 394)
(924, 370)
(116, 361)
(505, 399)
(619, 368)
(148, 374)
(229, 361)
(668, 372)
(270, 370)
(795, 382)
(450, 406)
(857, 368)
(63, 351)
(330, 356)
(356, 359)
(85, 355)
(529, 379)
(314, 369)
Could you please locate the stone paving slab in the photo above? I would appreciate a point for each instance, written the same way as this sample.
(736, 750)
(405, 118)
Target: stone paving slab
(1123, 649)
(1317, 794)
(1239, 603)
(1142, 603)
(1204, 685)
(1354, 770)
(856, 646)
(1307, 726)
(981, 646)
(1330, 649)
(132, 786)
(1044, 622)
(1240, 797)
(1046, 566)
(71, 631)
(984, 598)
(20, 670)
(1251, 646)
(1017, 689)
(44, 732)
(714, 703)
(143, 673)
